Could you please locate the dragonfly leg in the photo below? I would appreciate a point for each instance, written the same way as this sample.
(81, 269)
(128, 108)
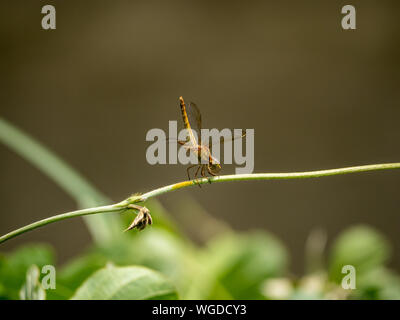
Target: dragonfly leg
(211, 173)
(197, 172)
(203, 170)
(205, 167)
(188, 170)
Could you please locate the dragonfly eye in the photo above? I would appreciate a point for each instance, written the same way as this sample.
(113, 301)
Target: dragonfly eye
(215, 167)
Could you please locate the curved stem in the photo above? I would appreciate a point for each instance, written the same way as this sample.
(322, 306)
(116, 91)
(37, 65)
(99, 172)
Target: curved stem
(101, 228)
(271, 176)
(59, 217)
(123, 205)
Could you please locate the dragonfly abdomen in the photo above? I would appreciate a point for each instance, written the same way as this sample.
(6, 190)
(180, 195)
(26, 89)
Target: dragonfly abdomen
(184, 113)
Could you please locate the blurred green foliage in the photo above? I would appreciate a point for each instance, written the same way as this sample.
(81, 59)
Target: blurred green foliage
(360, 247)
(160, 262)
(14, 266)
(32, 288)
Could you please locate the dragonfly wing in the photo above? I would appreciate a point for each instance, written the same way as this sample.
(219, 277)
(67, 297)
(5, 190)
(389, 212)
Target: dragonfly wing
(181, 142)
(194, 117)
(222, 140)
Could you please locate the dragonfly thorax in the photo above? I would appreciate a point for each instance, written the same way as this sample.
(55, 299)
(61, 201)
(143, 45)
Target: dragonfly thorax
(203, 153)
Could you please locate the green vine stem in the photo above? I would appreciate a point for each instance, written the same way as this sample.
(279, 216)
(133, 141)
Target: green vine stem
(102, 228)
(129, 202)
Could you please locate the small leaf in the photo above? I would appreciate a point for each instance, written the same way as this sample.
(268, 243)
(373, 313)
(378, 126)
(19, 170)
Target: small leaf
(32, 289)
(125, 283)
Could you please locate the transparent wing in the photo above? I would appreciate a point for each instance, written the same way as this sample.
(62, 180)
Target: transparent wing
(194, 117)
(181, 142)
(222, 140)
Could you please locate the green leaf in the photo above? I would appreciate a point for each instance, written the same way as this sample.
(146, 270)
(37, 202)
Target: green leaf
(126, 283)
(157, 249)
(169, 255)
(32, 289)
(72, 275)
(14, 266)
(362, 247)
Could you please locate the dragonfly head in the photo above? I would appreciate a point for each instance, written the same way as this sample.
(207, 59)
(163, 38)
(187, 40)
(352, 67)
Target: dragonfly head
(214, 165)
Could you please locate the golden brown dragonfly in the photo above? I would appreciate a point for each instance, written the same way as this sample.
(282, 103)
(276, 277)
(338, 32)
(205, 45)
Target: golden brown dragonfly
(192, 121)
(206, 162)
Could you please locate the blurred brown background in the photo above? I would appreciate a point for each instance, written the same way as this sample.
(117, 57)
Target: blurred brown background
(317, 96)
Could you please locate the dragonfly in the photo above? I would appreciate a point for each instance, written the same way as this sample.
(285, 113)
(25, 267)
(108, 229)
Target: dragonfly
(207, 163)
